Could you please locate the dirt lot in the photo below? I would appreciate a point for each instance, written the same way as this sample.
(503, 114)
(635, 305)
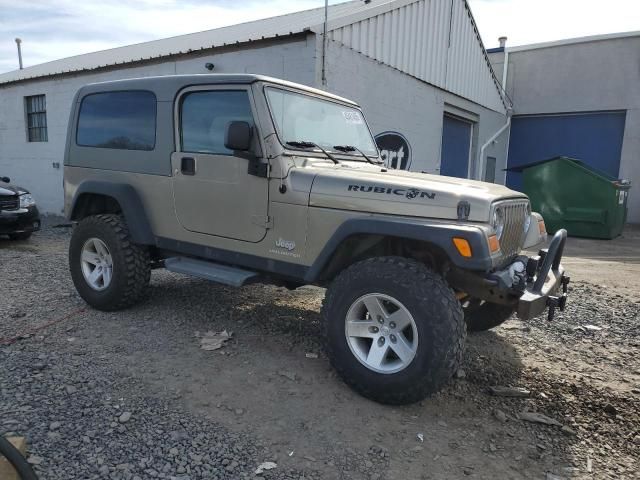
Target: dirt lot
(131, 395)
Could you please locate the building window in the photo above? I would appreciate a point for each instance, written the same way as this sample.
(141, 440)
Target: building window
(121, 120)
(36, 108)
(204, 117)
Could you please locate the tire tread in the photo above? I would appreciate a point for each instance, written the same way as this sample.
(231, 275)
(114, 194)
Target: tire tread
(442, 304)
(136, 261)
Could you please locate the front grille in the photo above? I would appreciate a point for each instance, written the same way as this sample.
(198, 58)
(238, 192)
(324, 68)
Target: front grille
(9, 203)
(512, 240)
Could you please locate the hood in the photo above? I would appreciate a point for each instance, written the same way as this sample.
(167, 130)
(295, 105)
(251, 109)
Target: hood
(7, 190)
(369, 188)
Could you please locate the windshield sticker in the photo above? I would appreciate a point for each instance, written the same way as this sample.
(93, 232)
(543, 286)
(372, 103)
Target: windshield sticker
(352, 118)
(407, 192)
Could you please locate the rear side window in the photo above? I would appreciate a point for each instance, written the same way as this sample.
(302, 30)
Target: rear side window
(204, 117)
(122, 120)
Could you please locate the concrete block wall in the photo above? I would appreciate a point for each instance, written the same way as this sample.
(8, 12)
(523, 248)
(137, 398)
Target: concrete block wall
(31, 164)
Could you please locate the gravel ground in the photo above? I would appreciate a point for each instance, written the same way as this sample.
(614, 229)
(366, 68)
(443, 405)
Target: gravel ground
(86, 421)
(131, 395)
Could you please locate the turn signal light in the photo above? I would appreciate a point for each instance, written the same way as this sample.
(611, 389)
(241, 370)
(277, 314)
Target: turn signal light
(542, 227)
(462, 246)
(494, 244)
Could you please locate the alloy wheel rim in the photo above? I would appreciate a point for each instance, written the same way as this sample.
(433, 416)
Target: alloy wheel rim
(97, 264)
(381, 333)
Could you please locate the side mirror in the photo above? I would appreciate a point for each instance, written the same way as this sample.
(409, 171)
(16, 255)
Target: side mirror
(5, 179)
(238, 136)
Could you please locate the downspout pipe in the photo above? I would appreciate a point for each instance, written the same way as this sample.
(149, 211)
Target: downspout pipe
(490, 141)
(507, 125)
(505, 68)
(505, 65)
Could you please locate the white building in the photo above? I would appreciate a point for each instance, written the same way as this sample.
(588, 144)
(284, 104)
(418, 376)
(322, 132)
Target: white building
(417, 67)
(580, 98)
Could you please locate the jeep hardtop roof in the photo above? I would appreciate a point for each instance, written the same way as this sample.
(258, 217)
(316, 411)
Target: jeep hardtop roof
(166, 86)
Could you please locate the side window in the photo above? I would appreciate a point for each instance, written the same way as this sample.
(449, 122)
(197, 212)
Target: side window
(122, 120)
(204, 117)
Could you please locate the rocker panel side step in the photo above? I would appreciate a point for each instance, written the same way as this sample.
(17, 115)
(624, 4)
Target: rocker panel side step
(215, 272)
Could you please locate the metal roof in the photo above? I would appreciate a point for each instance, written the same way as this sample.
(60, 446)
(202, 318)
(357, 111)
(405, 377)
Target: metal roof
(436, 41)
(282, 25)
(573, 41)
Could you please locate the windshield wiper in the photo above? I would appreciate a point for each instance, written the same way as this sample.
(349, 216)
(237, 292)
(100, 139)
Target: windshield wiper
(303, 144)
(351, 148)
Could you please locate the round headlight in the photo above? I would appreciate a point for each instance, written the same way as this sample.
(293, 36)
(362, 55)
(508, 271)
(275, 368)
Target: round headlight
(497, 222)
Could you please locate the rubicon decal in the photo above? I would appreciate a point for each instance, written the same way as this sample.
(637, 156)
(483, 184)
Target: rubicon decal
(407, 192)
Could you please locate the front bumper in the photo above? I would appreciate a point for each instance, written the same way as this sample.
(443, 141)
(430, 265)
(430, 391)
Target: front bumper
(19, 221)
(530, 285)
(545, 277)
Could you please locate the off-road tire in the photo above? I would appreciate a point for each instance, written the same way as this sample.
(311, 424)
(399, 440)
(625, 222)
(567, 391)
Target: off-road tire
(131, 263)
(20, 236)
(486, 316)
(437, 313)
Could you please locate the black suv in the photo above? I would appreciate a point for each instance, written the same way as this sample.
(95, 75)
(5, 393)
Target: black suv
(19, 216)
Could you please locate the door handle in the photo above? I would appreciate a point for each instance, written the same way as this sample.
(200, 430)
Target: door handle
(188, 166)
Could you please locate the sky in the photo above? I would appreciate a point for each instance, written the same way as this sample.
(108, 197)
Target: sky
(52, 29)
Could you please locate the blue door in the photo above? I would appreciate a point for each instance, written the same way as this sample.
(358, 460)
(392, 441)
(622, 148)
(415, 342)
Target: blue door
(456, 145)
(595, 138)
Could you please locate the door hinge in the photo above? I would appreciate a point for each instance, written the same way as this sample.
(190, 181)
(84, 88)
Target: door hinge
(266, 222)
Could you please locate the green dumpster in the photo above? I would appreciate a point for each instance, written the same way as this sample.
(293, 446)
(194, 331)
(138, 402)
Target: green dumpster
(570, 194)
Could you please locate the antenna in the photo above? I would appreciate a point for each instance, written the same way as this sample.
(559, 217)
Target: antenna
(324, 42)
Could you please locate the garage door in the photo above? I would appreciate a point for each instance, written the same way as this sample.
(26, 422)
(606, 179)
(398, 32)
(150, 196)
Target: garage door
(594, 137)
(456, 145)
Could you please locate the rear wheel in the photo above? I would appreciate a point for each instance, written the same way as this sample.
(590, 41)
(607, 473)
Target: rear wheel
(109, 271)
(394, 329)
(480, 316)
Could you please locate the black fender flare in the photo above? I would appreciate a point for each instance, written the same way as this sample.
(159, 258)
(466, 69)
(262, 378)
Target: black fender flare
(438, 233)
(130, 203)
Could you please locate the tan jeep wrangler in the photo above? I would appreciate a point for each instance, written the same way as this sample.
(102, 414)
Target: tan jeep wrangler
(242, 179)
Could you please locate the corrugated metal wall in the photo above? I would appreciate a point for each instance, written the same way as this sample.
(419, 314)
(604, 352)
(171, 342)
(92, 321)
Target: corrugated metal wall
(433, 40)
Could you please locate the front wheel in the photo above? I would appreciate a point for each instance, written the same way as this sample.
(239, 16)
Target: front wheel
(109, 271)
(394, 329)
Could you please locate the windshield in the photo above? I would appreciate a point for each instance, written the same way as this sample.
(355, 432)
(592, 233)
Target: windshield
(303, 118)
